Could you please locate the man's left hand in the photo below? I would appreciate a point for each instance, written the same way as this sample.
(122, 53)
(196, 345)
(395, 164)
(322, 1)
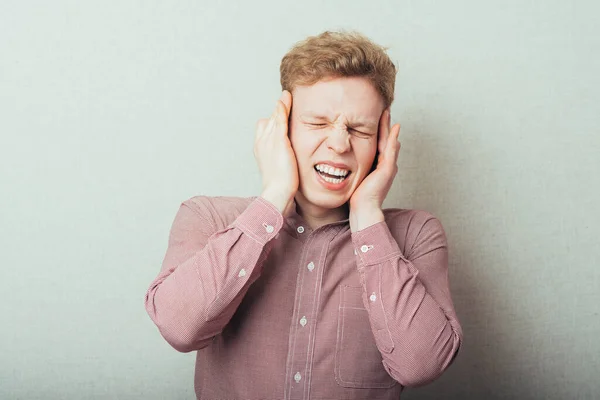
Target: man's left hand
(371, 192)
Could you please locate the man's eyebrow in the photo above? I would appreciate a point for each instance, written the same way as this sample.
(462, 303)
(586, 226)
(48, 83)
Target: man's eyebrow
(353, 123)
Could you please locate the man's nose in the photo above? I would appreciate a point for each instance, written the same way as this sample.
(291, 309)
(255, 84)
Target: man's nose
(339, 139)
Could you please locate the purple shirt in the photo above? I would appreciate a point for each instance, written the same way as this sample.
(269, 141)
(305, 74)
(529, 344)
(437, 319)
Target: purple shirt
(277, 310)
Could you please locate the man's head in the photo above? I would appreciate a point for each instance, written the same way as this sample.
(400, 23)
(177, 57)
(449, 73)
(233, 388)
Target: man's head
(341, 83)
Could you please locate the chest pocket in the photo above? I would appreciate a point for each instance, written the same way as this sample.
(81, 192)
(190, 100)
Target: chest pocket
(358, 362)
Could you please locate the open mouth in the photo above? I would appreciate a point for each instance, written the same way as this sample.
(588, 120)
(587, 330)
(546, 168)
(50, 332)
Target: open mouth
(332, 178)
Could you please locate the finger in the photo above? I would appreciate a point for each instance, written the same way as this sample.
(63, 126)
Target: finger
(384, 130)
(261, 123)
(270, 124)
(282, 110)
(286, 98)
(276, 109)
(280, 116)
(389, 147)
(394, 142)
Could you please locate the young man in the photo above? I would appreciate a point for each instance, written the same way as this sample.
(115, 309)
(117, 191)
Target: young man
(311, 290)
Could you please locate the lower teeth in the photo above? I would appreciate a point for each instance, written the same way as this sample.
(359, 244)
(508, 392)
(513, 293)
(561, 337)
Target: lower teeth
(332, 180)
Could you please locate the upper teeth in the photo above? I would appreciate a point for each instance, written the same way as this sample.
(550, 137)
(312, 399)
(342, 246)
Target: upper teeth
(330, 170)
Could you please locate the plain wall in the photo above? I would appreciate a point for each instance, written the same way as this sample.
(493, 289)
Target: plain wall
(114, 112)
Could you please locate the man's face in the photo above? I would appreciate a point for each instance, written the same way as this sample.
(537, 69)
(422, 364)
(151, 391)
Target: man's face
(336, 121)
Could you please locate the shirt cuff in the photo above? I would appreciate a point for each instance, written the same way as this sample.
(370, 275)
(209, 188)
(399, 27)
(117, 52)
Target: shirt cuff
(261, 220)
(375, 244)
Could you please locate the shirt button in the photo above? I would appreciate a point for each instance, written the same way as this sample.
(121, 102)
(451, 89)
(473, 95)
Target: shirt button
(269, 228)
(297, 377)
(355, 253)
(300, 229)
(242, 273)
(303, 321)
(373, 297)
(364, 248)
(311, 266)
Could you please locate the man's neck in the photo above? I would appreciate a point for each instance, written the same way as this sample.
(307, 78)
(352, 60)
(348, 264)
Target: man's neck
(316, 216)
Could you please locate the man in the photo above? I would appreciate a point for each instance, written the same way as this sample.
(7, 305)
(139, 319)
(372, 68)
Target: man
(311, 290)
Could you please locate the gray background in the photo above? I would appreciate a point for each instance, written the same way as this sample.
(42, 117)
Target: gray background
(113, 112)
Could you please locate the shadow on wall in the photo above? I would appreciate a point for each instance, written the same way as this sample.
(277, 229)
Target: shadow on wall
(442, 172)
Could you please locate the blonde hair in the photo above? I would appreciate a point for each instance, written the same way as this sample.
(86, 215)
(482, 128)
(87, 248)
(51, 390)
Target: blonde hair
(338, 54)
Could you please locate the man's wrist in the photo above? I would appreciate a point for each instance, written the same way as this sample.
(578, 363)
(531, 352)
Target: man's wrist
(280, 202)
(365, 217)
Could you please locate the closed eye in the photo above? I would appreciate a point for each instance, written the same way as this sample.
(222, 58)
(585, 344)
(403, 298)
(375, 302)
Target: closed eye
(315, 125)
(355, 130)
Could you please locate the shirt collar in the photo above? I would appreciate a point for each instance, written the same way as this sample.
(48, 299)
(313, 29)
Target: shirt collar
(293, 221)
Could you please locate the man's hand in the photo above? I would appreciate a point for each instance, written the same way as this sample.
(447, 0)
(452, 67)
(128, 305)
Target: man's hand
(275, 156)
(367, 199)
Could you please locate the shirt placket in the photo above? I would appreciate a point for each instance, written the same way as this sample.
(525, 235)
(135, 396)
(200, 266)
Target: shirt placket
(303, 322)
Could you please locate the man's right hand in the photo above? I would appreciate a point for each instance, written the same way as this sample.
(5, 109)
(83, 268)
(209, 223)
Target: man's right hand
(275, 156)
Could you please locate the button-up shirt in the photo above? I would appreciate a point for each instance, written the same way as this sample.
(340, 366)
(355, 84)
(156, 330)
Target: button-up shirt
(277, 310)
